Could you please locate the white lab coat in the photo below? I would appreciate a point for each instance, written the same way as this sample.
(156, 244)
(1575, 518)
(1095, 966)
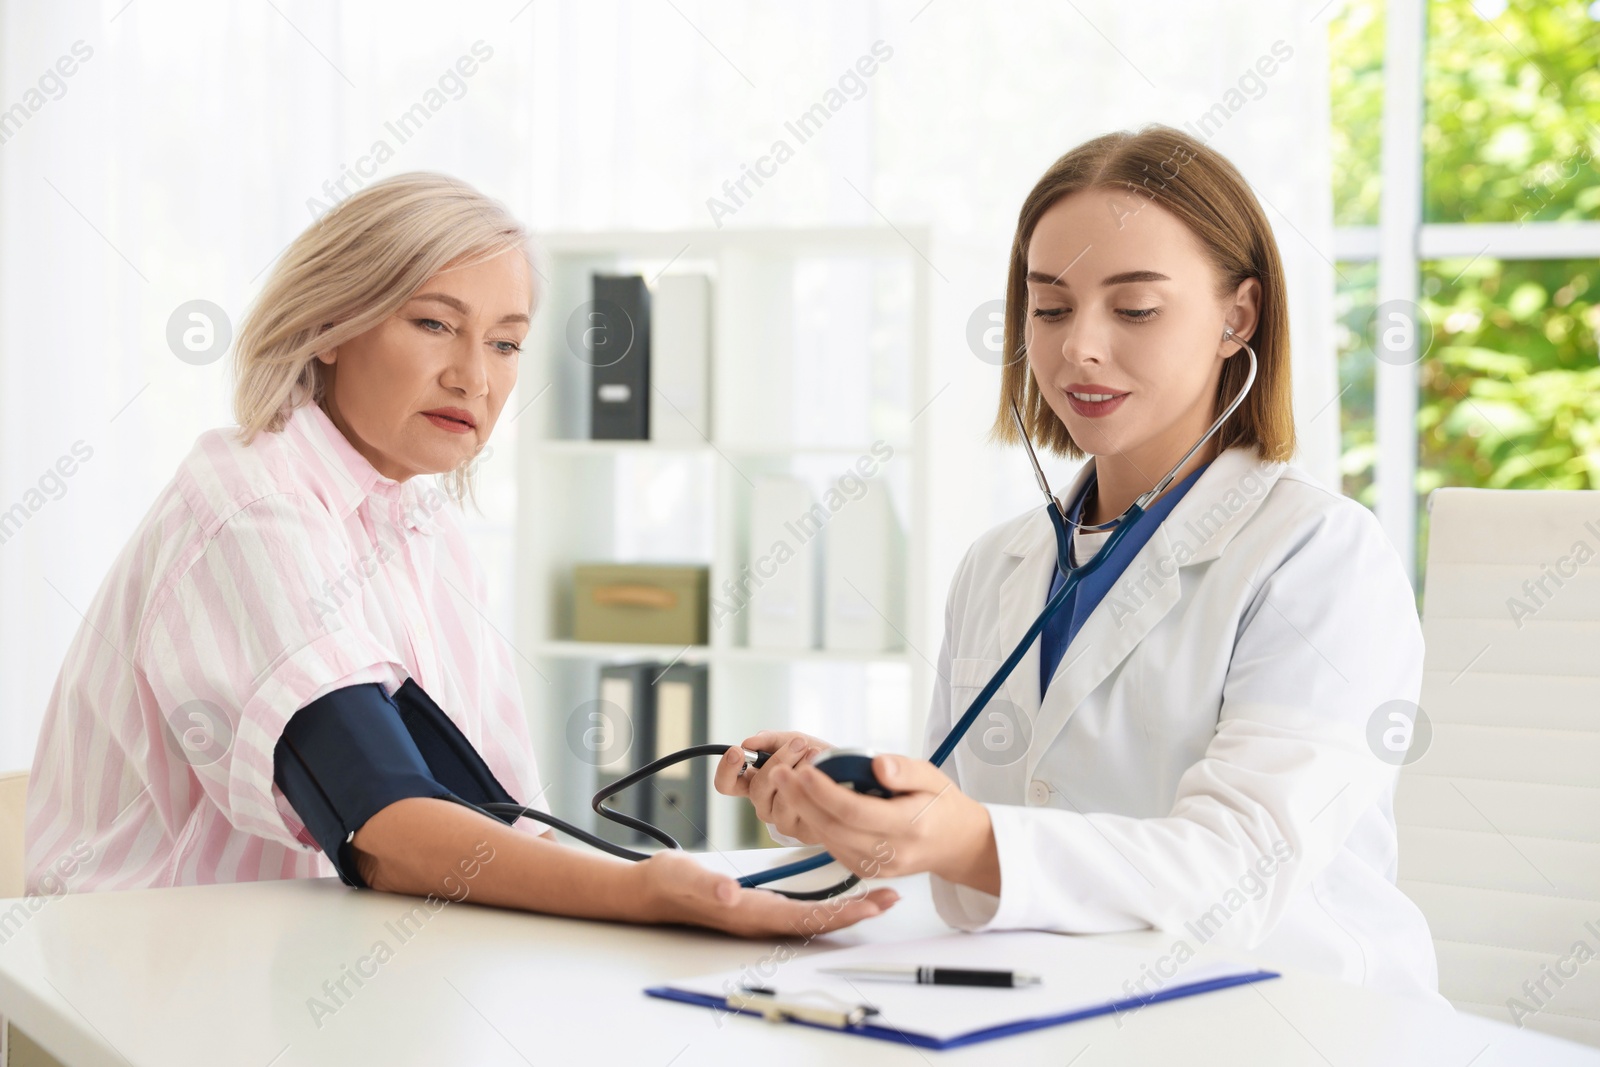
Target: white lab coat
(1209, 720)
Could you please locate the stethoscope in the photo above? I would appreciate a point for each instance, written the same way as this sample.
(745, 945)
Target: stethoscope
(1072, 576)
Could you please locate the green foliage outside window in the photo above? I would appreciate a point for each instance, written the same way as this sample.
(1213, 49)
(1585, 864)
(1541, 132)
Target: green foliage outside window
(1510, 389)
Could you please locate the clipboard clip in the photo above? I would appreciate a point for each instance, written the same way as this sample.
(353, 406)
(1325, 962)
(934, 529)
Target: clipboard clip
(836, 1014)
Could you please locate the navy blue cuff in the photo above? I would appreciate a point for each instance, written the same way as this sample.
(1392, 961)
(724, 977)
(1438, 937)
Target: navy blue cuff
(342, 759)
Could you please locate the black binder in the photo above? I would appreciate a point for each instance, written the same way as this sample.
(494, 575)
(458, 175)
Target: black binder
(679, 794)
(619, 358)
(630, 745)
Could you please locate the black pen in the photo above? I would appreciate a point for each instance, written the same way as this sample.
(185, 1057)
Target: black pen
(922, 975)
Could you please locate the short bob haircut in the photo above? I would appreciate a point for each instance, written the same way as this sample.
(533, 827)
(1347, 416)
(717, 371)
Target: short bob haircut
(346, 273)
(1210, 197)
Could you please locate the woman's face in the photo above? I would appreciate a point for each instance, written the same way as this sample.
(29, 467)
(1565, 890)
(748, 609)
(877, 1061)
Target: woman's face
(1122, 301)
(419, 393)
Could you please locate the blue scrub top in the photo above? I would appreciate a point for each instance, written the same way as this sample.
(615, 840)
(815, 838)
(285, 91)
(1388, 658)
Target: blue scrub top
(1064, 625)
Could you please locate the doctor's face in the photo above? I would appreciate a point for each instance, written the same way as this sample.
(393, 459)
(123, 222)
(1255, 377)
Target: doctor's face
(420, 392)
(1124, 325)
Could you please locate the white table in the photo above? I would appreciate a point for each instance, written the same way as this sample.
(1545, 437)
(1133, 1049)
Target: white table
(211, 975)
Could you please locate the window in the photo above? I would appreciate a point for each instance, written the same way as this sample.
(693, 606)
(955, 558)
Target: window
(1481, 223)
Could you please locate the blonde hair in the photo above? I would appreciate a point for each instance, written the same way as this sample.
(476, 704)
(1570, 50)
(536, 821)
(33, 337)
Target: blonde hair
(349, 271)
(1211, 198)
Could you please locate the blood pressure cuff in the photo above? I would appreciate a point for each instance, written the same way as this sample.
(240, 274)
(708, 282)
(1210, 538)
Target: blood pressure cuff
(349, 754)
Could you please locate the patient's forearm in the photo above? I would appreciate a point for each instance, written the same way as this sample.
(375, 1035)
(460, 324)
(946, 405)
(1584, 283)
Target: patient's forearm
(422, 845)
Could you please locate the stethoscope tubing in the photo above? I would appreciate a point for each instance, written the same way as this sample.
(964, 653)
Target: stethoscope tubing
(1074, 575)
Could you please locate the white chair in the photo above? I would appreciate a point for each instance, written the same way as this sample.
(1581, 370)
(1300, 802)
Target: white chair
(1499, 818)
(13, 797)
(16, 1048)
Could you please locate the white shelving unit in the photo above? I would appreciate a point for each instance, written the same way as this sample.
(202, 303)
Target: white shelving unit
(819, 350)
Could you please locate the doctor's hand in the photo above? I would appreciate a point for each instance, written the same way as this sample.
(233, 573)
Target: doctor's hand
(788, 750)
(930, 826)
(675, 888)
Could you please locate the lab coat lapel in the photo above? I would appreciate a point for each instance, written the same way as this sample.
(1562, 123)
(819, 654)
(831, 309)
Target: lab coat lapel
(1108, 635)
(1202, 523)
(1023, 593)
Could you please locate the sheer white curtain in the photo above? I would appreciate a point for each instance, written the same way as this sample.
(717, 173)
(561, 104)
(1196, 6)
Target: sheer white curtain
(174, 164)
(179, 157)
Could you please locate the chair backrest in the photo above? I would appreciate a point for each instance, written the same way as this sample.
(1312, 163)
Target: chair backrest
(13, 798)
(1500, 813)
(19, 1049)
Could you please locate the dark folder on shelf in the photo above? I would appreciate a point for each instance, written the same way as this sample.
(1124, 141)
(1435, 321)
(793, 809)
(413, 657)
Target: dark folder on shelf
(678, 795)
(618, 342)
(618, 736)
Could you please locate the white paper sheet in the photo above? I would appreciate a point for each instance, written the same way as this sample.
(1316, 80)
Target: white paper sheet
(1079, 974)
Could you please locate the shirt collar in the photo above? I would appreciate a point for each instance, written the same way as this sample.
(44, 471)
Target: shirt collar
(342, 477)
(1158, 509)
(1235, 479)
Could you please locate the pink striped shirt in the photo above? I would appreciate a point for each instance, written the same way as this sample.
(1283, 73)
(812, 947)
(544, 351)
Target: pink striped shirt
(262, 578)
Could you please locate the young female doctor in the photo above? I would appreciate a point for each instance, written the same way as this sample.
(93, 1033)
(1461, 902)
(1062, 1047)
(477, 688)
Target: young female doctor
(1184, 748)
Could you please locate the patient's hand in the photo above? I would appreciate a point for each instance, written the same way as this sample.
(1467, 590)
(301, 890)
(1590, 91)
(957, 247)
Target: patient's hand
(676, 889)
(788, 750)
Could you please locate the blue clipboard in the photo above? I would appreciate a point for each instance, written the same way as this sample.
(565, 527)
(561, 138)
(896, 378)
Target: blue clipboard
(1020, 1026)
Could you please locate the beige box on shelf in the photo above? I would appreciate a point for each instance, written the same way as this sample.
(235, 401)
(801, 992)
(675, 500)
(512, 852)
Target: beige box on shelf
(640, 603)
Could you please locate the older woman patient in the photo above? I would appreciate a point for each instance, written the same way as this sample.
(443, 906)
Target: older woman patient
(304, 553)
